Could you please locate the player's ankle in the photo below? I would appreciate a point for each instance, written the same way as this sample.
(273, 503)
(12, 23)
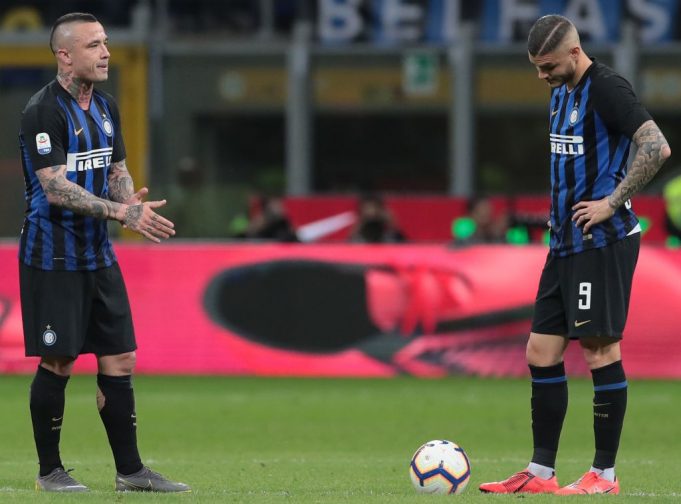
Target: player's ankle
(541, 471)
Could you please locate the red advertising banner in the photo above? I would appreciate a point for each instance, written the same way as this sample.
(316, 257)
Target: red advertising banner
(429, 218)
(351, 310)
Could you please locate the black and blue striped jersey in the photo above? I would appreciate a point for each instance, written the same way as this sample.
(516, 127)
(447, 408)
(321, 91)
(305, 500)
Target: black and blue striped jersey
(56, 131)
(591, 127)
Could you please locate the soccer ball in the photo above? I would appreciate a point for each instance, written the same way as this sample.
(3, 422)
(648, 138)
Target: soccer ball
(440, 467)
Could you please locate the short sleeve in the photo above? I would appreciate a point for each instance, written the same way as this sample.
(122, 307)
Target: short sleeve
(43, 132)
(618, 106)
(118, 153)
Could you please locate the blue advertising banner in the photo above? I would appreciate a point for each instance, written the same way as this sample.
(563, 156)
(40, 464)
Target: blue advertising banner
(498, 21)
(596, 20)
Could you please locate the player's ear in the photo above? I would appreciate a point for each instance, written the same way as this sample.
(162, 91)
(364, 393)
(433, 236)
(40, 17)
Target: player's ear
(575, 52)
(63, 56)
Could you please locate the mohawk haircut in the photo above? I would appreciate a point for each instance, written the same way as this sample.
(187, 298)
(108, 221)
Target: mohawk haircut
(547, 33)
(81, 17)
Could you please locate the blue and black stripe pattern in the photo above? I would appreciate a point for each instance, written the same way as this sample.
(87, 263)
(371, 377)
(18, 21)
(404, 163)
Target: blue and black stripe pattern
(609, 407)
(549, 405)
(555, 379)
(611, 386)
(54, 238)
(588, 160)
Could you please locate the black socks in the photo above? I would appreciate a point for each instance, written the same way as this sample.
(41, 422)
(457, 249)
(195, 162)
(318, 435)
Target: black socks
(549, 405)
(610, 404)
(47, 414)
(117, 409)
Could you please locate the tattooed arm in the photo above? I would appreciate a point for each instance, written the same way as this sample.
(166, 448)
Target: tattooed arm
(653, 151)
(140, 218)
(64, 193)
(120, 182)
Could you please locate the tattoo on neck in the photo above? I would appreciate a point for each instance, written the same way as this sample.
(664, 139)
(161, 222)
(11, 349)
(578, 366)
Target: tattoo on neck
(78, 88)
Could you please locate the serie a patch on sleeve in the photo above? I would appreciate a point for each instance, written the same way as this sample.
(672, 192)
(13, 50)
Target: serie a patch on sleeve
(42, 141)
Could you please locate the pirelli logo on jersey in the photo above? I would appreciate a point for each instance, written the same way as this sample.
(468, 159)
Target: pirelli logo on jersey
(570, 145)
(90, 160)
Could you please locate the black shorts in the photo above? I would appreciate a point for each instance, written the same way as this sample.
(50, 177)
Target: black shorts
(587, 294)
(68, 313)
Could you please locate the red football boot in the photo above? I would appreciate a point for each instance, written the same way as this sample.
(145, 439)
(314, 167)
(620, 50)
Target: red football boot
(522, 482)
(591, 483)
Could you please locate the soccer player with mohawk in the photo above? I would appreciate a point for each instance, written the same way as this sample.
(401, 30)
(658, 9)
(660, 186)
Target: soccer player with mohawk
(73, 297)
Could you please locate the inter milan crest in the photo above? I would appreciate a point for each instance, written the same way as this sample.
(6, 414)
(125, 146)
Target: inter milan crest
(574, 115)
(108, 127)
(49, 337)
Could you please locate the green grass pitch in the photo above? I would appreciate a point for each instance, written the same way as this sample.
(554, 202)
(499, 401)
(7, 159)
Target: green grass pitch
(308, 440)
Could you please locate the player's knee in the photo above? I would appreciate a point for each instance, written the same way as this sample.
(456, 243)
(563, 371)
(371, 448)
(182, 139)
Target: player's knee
(126, 362)
(117, 365)
(538, 353)
(61, 366)
(538, 356)
(596, 359)
(599, 353)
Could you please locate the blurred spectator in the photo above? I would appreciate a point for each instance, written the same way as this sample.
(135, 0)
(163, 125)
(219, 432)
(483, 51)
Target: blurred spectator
(238, 226)
(271, 222)
(527, 226)
(375, 223)
(480, 225)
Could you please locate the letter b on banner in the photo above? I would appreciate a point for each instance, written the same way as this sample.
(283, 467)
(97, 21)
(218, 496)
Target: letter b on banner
(339, 20)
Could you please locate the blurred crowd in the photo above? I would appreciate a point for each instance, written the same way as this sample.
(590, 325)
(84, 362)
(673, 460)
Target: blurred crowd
(227, 17)
(372, 222)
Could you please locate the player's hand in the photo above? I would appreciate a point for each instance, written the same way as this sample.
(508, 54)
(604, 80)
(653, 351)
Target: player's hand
(138, 197)
(588, 213)
(142, 219)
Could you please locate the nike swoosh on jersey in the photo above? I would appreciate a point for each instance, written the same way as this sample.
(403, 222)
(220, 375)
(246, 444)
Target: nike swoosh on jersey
(77, 132)
(579, 324)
